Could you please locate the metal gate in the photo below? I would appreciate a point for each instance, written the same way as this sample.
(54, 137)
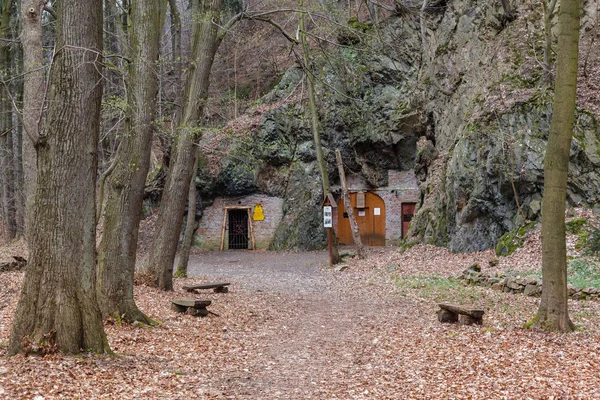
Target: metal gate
(238, 229)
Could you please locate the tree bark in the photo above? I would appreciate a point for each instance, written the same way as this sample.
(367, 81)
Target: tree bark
(553, 312)
(58, 303)
(349, 209)
(315, 126)
(548, 14)
(176, 51)
(33, 92)
(188, 236)
(7, 165)
(206, 41)
(124, 186)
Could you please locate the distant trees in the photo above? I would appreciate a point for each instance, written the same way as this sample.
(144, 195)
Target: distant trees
(58, 307)
(553, 311)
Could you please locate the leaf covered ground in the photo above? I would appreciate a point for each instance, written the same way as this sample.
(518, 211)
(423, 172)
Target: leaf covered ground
(291, 328)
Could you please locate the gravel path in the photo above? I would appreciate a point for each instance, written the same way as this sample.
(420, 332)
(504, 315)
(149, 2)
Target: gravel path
(318, 334)
(266, 271)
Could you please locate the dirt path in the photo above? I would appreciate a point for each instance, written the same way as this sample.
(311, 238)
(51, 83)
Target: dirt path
(319, 334)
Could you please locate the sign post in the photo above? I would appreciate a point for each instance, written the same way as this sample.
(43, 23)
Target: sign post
(328, 223)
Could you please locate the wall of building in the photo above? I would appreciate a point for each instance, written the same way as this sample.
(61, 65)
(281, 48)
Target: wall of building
(208, 234)
(402, 188)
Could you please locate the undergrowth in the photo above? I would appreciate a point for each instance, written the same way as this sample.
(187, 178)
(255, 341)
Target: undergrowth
(438, 288)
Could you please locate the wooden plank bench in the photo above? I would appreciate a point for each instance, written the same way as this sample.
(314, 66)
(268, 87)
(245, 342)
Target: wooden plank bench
(191, 306)
(220, 287)
(461, 314)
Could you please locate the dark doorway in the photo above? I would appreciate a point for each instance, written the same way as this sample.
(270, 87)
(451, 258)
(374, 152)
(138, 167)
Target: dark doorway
(238, 229)
(408, 210)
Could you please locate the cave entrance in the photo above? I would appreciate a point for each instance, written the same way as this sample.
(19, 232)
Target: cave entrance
(238, 229)
(369, 212)
(237, 226)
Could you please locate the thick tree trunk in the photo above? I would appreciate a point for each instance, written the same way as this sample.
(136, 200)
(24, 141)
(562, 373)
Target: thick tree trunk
(349, 209)
(125, 185)
(315, 126)
(188, 236)
(7, 165)
(206, 41)
(58, 304)
(553, 312)
(33, 92)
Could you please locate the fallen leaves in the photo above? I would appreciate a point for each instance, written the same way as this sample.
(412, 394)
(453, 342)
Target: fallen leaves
(290, 328)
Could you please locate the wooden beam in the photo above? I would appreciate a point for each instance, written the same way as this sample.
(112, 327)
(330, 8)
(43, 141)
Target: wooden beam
(349, 209)
(251, 226)
(223, 228)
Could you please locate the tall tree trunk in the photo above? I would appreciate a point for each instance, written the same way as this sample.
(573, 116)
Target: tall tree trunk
(206, 40)
(125, 185)
(188, 236)
(315, 125)
(7, 165)
(553, 313)
(58, 300)
(33, 92)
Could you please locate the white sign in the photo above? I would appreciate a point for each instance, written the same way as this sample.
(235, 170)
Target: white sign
(327, 217)
(361, 213)
(377, 211)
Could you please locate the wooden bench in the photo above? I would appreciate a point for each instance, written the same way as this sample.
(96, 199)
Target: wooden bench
(191, 306)
(220, 287)
(461, 314)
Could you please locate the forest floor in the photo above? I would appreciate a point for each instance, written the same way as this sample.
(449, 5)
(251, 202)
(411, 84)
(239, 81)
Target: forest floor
(292, 328)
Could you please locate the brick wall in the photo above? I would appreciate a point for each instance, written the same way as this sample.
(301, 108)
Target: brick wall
(208, 234)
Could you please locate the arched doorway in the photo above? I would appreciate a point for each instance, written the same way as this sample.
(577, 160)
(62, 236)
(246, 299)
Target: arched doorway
(370, 219)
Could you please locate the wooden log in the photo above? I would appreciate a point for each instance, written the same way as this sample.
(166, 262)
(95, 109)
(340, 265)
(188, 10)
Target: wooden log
(217, 285)
(192, 303)
(472, 312)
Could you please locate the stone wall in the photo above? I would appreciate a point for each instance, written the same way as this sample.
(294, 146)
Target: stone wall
(528, 285)
(208, 234)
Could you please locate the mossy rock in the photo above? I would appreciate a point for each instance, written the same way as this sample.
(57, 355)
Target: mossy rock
(511, 241)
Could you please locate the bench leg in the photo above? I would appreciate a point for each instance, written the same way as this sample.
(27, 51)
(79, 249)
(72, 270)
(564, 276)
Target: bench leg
(221, 289)
(447, 316)
(468, 320)
(178, 308)
(198, 312)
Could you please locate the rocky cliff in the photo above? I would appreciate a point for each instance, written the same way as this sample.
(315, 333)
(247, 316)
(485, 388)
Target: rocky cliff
(468, 111)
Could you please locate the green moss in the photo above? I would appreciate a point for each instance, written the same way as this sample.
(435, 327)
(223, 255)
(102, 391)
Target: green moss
(510, 241)
(575, 225)
(364, 27)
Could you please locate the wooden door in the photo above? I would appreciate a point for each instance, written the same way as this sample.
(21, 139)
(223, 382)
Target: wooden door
(370, 220)
(408, 211)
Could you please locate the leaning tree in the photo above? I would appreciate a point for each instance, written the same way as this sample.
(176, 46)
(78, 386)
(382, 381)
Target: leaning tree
(58, 307)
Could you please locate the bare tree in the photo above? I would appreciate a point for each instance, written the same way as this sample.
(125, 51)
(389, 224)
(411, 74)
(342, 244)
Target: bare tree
(7, 165)
(57, 307)
(206, 41)
(125, 180)
(553, 313)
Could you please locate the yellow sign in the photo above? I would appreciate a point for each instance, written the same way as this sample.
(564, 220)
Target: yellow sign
(258, 213)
